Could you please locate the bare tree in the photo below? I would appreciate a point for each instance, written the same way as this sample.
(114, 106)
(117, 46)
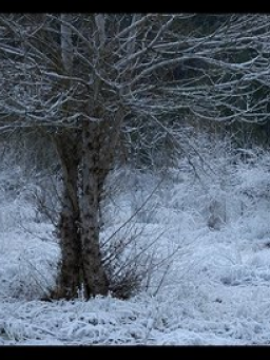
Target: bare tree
(88, 78)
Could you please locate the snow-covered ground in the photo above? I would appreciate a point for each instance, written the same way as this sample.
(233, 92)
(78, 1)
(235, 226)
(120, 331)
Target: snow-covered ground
(213, 288)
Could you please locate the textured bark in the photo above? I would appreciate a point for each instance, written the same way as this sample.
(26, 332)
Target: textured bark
(68, 283)
(69, 277)
(66, 43)
(93, 176)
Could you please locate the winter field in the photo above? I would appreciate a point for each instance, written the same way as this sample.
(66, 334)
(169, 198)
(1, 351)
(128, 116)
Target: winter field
(202, 241)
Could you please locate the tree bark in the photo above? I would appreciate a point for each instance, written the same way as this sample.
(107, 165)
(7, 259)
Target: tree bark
(69, 277)
(93, 176)
(81, 265)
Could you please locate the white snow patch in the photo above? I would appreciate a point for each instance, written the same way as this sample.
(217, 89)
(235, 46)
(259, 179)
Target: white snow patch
(211, 286)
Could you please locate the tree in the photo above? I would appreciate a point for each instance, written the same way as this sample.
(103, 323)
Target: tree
(87, 79)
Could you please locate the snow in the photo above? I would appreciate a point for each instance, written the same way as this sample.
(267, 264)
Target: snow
(210, 286)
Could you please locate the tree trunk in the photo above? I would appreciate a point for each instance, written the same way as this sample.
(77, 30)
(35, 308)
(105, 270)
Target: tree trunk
(69, 277)
(94, 277)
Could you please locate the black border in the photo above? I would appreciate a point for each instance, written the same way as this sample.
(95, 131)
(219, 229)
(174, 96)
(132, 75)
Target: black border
(114, 350)
(175, 6)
